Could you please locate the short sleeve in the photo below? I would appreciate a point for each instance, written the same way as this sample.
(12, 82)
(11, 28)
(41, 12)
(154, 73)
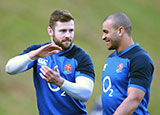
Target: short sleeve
(141, 71)
(85, 66)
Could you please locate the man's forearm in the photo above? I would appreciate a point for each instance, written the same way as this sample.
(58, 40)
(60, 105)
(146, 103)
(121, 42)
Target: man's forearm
(81, 90)
(18, 64)
(127, 107)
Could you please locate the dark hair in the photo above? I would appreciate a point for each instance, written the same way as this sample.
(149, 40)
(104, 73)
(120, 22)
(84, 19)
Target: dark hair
(59, 15)
(120, 19)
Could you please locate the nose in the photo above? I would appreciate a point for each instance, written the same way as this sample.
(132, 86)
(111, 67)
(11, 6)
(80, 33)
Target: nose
(68, 34)
(104, 37)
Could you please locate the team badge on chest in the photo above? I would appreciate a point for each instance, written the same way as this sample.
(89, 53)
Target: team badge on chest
(67, 68)
(119, 68)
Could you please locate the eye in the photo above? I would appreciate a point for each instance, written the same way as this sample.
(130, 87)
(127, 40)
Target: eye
(63, 30)
(71, 30)
(105, 31)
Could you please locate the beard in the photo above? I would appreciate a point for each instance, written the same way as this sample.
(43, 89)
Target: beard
(113, 46)
(114, 41)
(64, 44)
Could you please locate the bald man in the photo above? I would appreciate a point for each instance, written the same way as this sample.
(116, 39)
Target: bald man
(128, 71)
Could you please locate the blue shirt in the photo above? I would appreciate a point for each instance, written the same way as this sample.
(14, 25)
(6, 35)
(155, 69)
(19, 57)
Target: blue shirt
(130, 68)
(72, 63)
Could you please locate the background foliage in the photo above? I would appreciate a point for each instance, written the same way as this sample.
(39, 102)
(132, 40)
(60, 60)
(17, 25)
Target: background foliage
(24, 22)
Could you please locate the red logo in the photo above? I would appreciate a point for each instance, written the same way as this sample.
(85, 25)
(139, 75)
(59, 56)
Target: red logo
(119, 68)
(67, 68)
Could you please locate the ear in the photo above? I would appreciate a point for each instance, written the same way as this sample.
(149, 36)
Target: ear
(50, 31)
(121, 31)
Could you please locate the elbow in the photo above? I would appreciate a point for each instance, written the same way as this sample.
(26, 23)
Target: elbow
(135, 102)
(9, 70)
(85, 96)
(87, 92)
(138, 100)
(85, 99)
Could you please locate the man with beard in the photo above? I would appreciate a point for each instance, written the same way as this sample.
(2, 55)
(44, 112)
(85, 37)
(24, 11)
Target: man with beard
(63, 73)
(128, 71)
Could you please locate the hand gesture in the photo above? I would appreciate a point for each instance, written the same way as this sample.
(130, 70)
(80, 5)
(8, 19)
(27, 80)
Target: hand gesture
(51, 76)
(44, 51)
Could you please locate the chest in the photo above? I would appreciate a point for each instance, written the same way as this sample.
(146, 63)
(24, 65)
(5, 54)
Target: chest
(117, 69)
(66, 66)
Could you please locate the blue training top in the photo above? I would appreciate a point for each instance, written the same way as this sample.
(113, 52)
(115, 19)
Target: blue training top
(130, 68)
(72, 63)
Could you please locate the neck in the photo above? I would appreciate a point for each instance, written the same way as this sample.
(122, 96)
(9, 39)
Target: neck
(125, 43)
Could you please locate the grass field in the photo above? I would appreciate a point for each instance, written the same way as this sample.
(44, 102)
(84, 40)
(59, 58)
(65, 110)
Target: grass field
(24, 22)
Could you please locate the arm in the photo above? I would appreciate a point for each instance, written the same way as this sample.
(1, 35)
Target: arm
(81, 89)
(44, 51)
(141, 72)
(20, 63)
(129, 105)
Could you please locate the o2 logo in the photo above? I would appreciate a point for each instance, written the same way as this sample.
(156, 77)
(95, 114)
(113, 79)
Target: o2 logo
(107, 86)
(55, 89)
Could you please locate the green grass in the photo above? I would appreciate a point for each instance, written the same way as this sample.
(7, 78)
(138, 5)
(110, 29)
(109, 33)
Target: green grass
(24, 22)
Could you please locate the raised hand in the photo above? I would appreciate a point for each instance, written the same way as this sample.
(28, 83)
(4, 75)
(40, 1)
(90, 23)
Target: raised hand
(44, 51)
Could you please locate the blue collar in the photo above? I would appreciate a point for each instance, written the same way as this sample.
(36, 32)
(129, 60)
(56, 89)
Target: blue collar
(127, 49)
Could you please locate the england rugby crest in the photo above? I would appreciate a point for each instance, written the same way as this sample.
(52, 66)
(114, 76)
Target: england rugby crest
(119, 68)
(67, 68)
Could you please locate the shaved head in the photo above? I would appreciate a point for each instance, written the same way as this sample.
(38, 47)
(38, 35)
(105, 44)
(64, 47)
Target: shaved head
(120, 19)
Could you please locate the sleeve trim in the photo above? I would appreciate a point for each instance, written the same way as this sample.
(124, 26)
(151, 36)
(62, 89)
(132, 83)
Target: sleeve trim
(137, 86)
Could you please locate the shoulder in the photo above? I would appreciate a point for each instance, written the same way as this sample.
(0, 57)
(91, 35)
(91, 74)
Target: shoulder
(141, 57)
(78, 53)
(85, 64)
(82, 56)
(141, 68)
(137, 54)
(141, 62)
